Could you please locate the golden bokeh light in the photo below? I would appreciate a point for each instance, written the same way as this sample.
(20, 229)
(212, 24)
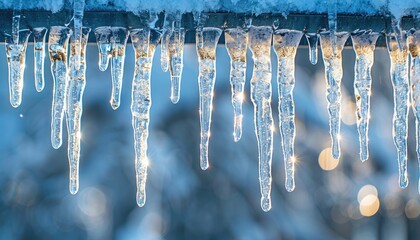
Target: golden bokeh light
(326, 161)
(366, 190)
(369, 205)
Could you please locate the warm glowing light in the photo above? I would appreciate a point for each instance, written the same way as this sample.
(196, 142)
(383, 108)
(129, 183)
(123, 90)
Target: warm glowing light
(326, 161)
(366, 190)
(293, 159)
(412, 209)
(339, 137)
(369, 205)
(273, 128)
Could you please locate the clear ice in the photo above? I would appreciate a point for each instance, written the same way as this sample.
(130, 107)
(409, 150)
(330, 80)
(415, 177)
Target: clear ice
(236, 41)
(39, 57)
(74, 109)
(400, 84)
(206, 44)
(166, 34)
(285, 43)
(119, 36)
(16, 56)
(414, 48)
(260, 45)
(103, 39)
(364, 47)
(333, 76)
(312, 39)
(78, 9)
(17, 9)
(57, 47)
(144, 43)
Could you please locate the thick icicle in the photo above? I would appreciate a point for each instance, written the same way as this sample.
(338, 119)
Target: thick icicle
(236, 40)
(333, 75)
(78, 9)
(74, 109)
(118, 42)
(364, 47)
(206, 44)
(312, 39)
(285, 43)
(57, 48)
(39, 56)
(260, 45)
(103, 39)
(399, 78)
(144, 44)
(16, 56)
(414, 48)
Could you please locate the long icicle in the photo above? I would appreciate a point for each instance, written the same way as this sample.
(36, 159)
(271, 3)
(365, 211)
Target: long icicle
(333, 75)
(118, 42)
(414, 48)
(260, 45)
(78, 10)
(176, 57)
(16, 56)
(285, 43)
(236, 41)
(103, 39)
(400, 84)
(39, 57)
(206, 44)
(74, 108)
(364, 47)
(57, 48)
(144, 43)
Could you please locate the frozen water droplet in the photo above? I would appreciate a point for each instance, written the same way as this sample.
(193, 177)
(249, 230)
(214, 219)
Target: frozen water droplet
(103, 39)
(312, 39)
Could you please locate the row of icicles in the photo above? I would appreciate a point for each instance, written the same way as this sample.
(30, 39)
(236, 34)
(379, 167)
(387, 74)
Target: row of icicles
(69, 83)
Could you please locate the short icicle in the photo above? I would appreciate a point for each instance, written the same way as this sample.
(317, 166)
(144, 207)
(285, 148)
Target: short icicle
(16, 56)
(285, 43)
(176, 57)
(312, 39)
(333, 75)
(118, 43)
(39, 57)
(144, 43)
(414, 48)
(74, 109)
(206, 44)
(57, 48)
(400, 85)
(260, 45)
(364, 47)
(236, 41)
(103, 39)
(78, 11)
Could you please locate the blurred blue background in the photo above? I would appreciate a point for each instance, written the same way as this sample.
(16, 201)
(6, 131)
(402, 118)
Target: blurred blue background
(184, 202)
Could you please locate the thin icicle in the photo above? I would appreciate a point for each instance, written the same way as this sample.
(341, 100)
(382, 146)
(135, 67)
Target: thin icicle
(312, 39)
(400, 84)
(166, 34)
(17, 9)
(74, 109)
(285, 43)
(103, 39)
(236, 40)
(16, 56)
(260, 45)
(118, 42)
(414, 47)
(39, 56)
(144, 44)
(364, 47)
(333, 76)
(57, 48)
(78, 10)
(206, 51)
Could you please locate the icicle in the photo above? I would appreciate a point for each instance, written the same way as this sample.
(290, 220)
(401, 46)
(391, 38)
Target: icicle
(260, 45)
(285, 43)
(414, 47)
(206, 51)
(17, 8)
(57, 48)
(332, 24)
(236, 40)
(78, 9)
(16, 56)
(118, 42)
(103, 39)
(333, 75)
(312, 39)
(144, 44)
(166, 34)
(399, 78)
(364, 47)
(74, 109)
(39, 56)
